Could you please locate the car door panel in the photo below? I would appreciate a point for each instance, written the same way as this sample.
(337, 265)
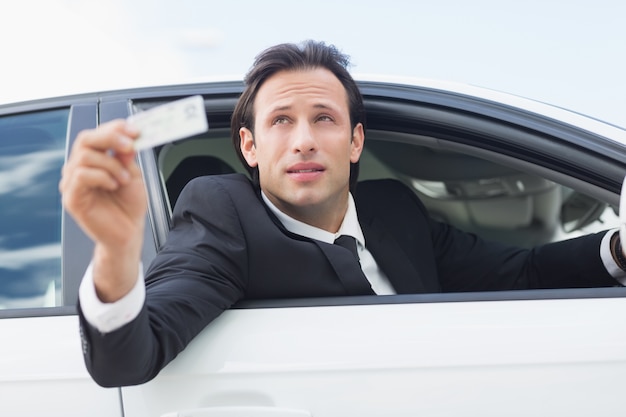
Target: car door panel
(43, 373)
(457, 358)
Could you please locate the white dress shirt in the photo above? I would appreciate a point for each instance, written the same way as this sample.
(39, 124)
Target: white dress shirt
(107, 317)
(351, 227)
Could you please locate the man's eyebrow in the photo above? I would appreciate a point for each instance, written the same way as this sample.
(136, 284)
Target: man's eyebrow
(280, 108)
(323, 106)
(289, 106)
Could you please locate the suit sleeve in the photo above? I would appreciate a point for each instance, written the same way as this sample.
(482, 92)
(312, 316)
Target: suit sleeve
(468, 263)
(200, 272)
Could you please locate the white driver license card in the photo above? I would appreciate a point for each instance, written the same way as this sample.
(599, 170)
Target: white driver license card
(169, 122)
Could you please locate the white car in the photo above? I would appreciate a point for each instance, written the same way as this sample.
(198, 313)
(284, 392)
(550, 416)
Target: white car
(506, 168)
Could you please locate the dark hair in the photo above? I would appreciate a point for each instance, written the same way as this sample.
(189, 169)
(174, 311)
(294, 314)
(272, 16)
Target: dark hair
(290, 57)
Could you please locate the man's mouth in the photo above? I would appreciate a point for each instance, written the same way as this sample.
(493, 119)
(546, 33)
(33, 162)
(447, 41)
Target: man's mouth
(305, 172)
(301, 171)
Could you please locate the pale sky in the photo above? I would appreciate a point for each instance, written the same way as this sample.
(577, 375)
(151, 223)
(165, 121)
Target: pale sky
(568, 53)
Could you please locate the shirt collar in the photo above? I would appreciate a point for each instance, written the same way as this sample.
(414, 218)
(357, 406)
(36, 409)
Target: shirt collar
(349, 226)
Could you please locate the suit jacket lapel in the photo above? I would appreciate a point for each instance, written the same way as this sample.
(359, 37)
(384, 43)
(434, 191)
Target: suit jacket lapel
(391, 258)
(343, 263)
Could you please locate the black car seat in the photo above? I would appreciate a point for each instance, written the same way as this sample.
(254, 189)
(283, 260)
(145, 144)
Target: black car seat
(190, 168)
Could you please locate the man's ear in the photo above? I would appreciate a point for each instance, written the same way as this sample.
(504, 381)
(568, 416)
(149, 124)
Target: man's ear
(358, 140)
(248, 150)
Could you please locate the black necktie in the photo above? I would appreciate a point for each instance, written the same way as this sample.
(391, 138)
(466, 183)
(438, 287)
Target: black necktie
(349, 243)
(349, 272)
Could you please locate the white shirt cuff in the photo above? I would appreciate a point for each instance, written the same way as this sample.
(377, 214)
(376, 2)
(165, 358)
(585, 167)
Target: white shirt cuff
(107, 317)
(607, 258)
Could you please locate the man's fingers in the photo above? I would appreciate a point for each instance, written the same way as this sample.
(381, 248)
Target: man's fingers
(116, 136)
(108, 148)
(79, 172)
(105, 161)
(87, 179)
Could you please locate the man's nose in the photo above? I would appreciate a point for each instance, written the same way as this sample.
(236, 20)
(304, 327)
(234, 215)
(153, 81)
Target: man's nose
(304, 139)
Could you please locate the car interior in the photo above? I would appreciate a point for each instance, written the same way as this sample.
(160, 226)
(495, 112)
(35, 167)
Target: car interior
(492, 199)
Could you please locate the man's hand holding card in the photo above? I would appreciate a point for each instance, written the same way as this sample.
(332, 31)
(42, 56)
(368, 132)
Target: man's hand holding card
(169, 122)
(103, 189)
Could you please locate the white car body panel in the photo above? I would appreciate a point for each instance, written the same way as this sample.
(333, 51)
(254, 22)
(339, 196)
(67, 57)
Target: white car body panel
(43, 373)
(493, 358)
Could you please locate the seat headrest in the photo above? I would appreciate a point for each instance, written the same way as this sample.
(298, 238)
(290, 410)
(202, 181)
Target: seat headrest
(192, 167)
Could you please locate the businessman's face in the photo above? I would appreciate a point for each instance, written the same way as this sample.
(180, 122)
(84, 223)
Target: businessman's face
(303, 145)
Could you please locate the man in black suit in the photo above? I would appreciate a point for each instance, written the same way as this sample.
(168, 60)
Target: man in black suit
(299, 127)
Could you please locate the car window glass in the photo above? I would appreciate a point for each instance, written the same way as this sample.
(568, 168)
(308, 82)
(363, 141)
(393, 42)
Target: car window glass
(32, 148)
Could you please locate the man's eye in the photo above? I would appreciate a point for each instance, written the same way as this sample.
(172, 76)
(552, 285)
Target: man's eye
(324, 118)
(280, 120)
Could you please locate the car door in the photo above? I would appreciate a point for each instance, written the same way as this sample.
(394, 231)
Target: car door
(41, 366)
(531, 352)
(516, 357)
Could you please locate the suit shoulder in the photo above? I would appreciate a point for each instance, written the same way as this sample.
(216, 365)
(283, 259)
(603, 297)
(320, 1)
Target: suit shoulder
(234, 180)
(207, 188)
(227, 182)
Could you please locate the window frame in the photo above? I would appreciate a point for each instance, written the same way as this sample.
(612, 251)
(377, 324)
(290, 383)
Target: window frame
(431, 112)
(82, 115)
(458, 123)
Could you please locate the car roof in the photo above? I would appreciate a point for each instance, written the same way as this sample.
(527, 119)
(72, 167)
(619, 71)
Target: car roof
(453, 90)
(487, 95)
